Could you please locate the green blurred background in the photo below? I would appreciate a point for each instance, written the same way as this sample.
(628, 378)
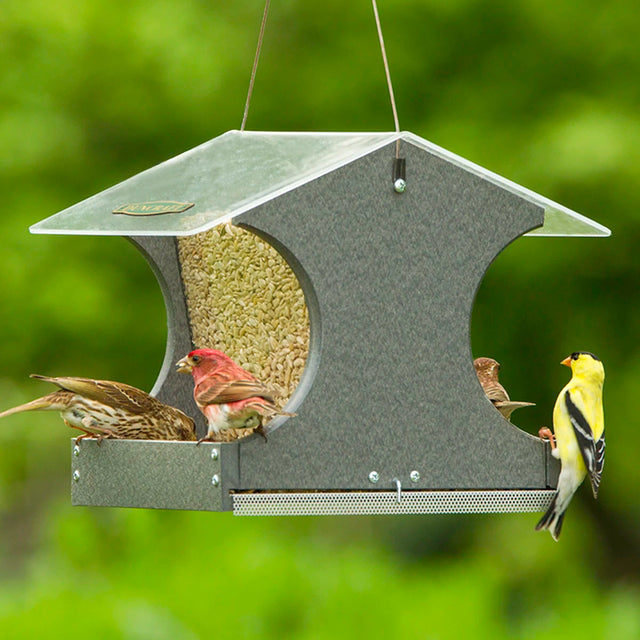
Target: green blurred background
(543, 92)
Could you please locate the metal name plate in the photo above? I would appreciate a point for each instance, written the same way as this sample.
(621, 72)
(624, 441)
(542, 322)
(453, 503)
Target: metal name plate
(153, 208)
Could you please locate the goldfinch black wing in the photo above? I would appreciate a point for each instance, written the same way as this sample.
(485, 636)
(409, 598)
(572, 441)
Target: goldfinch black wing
(592, 451)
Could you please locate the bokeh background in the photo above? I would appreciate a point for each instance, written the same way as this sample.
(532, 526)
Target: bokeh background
(543, 92)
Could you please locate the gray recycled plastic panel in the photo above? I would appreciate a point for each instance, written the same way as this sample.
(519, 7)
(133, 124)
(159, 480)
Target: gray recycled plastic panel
(394, 278)
(152, 474)
(161, 253)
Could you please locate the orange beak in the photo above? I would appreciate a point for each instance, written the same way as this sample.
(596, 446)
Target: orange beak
(567, 361)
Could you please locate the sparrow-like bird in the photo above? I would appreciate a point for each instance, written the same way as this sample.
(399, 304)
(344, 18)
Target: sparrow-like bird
(103, 409)
(487, 370)
(229, 396)
(578, 421)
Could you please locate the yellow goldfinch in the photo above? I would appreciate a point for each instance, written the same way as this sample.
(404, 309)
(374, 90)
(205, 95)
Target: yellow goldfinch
(578, 421)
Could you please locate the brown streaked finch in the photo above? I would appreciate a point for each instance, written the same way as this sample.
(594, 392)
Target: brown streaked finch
(103, 409)
(487, 370)
(229, 396)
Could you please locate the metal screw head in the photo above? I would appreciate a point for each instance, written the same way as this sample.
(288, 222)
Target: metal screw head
(374, 477)
(76, 475)
(415, 476)
(215, 481)
(76, 451)
(214, 454)
(399, 185)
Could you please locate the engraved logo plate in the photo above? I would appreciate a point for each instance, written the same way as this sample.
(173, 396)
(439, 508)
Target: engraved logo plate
(153, 208)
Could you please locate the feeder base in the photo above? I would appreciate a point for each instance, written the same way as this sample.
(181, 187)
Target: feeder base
(386, 502)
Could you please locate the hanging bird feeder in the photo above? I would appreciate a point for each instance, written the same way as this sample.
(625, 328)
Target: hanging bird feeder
(378, 262)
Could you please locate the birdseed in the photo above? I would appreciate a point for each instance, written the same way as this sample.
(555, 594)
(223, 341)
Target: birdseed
(244, 299)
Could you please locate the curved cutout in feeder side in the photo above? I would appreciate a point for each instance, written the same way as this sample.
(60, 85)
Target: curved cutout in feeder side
(390, 415)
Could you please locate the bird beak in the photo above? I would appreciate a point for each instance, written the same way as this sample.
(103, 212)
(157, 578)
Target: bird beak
(567, 362)
(185, 365)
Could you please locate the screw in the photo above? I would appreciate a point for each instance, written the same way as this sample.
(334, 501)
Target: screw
(215, 481)
(400, 185)
(374, 477)
(214, 454)
(76, 475)
(415, 476)
(76, 451)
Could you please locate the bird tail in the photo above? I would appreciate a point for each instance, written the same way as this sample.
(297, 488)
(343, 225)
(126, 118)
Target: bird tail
(45, 378)
(50, 402)
(517, 405)
(507, 407)
(271, 411)
(552, 519)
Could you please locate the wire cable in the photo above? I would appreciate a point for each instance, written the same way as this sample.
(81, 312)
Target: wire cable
(255, 65)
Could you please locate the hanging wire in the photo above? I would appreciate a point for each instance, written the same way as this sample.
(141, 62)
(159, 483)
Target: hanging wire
(388, 74)
(255, 64)
(384, 59)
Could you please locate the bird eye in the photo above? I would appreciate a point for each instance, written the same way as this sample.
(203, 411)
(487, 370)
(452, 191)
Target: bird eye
(196, 359)
(575, 356)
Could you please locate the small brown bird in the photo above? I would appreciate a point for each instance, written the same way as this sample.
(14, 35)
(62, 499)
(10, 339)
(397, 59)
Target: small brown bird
(103, 409)
(487, 370)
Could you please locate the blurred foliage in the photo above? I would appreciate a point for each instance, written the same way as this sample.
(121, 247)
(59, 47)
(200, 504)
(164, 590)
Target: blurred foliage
(541, 92)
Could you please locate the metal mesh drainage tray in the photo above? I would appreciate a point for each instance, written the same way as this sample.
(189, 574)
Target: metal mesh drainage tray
(381, 502)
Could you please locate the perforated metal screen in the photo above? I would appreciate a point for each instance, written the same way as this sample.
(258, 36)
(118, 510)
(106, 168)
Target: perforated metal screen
(386, 502)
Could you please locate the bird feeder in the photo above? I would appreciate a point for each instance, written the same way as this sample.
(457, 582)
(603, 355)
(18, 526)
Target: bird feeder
(388, 237)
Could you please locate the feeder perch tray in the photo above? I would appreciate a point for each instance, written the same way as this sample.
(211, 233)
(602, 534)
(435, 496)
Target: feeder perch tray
(390, 415)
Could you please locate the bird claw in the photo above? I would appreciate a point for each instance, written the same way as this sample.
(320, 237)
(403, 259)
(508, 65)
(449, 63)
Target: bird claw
(545, 433)
(98, 438)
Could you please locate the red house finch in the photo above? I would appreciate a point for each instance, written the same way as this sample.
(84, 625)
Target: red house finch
(487, 371)
(229, 396)
(103, 409)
